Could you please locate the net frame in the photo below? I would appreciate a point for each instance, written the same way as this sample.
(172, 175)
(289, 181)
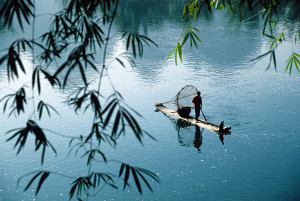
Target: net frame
(193, 93)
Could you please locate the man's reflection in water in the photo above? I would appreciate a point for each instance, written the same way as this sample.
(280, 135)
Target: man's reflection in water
(198, 138)
(187, 136)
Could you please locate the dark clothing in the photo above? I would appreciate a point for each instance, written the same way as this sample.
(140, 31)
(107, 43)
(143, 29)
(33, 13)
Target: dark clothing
(197, 100)
(197, 111)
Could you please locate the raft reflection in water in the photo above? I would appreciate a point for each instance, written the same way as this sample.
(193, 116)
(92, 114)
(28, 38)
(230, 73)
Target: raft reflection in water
(189, 134)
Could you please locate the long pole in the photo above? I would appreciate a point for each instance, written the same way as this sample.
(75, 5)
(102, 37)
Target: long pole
(203, 115)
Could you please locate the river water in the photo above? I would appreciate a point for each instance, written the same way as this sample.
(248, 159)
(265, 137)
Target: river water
(260, 160)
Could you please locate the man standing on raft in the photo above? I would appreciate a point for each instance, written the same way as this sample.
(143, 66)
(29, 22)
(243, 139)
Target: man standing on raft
(197, 100)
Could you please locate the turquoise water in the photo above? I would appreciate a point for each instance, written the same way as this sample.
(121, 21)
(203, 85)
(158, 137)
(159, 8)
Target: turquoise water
(260, 160)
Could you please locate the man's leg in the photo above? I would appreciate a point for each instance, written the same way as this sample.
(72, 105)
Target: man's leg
(197, 113)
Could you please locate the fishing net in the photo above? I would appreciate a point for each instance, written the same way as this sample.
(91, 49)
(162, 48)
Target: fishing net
(185, 96)
(183, 100)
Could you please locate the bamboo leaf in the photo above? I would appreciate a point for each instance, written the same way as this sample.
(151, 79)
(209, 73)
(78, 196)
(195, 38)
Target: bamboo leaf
(116, 124)
(39, 82)
(269, 36)
(171, 53)
(43, 178)
(274, 59)
(176, 50)
(136, 179)
(102, 154)
(32, 180)
(196, 36)
(82, 73)
(289, 62)
(121, 169)
(296, 54)
(149, 173)
(120, 62)
(262, 55)
(145, 181)
(128, 41)
(179, 51)
(127, 173)
(184, 39)
(133, 46)
(109, 105)
(11, 8)
(134, 126)
(109, 114)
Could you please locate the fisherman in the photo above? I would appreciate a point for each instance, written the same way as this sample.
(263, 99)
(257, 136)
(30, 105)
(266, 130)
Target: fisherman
(197, 100)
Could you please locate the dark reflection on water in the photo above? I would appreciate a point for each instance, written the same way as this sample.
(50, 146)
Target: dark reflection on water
(188, 134)
(198, 138)
(137, 16)
(226, 43)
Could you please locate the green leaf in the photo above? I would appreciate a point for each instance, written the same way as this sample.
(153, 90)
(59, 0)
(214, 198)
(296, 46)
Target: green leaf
(187, 34)
(179, 51)
(171, 52)
(293, 59)
(176, 50)
(185, 10)
(296, 54)
(289, 63)
(269, 36)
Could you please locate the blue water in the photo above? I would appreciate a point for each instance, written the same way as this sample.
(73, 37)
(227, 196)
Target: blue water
(260, 160)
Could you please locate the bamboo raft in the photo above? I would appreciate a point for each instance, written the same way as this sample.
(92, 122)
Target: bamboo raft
(204, 124)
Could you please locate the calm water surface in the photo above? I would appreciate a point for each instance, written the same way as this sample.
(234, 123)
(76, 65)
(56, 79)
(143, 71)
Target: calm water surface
(260, 160)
